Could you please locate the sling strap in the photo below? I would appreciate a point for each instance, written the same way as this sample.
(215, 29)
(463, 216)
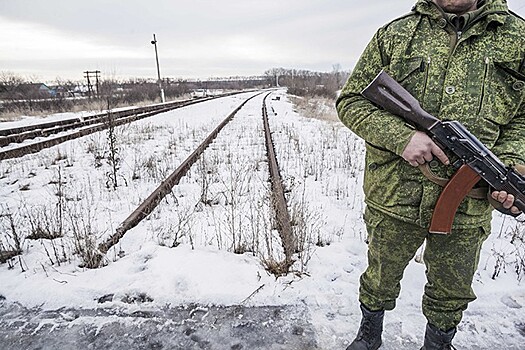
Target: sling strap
(476, 193)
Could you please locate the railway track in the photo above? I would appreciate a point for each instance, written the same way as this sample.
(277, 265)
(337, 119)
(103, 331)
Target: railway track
(262, 132)
(15, 142)
(281, 214)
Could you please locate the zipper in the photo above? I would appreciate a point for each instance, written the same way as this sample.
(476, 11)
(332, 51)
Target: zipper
(484, 84)
(454, 41)
(425, 81)
(455, 38)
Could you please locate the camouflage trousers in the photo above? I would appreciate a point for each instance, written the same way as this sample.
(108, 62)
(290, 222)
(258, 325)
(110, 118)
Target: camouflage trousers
(450, 260)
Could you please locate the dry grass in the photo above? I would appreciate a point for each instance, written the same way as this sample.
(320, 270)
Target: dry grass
(321, 108)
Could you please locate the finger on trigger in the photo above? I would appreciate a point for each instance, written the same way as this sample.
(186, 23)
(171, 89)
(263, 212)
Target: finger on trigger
(438, 152)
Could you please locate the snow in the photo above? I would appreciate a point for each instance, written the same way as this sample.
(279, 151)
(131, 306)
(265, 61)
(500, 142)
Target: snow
(183, 253)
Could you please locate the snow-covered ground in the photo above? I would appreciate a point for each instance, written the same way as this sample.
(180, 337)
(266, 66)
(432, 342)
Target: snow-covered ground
(209, 241)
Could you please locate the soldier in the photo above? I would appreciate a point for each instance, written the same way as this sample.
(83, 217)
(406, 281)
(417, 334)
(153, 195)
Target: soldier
(463, 60)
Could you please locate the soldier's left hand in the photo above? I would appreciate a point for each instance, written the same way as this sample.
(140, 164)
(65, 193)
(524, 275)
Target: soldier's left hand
(506, 199)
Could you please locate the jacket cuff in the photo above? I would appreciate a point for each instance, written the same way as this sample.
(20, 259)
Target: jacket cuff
(403, 138)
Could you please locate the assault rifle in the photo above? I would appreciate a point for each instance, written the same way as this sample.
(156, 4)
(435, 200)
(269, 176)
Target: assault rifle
(474, 160)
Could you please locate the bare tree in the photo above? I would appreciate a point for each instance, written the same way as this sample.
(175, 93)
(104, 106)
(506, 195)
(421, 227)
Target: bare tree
(310, 83)
(9, 82)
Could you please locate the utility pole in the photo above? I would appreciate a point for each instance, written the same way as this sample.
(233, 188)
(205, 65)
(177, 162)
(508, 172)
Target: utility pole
(154, 42)
(89, 74)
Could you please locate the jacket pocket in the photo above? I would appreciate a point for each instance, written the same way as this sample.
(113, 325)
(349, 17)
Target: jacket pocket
(377, 158)
(411, 73)
(406, 67)
(504, 91)
(389, 181)
(372, 217)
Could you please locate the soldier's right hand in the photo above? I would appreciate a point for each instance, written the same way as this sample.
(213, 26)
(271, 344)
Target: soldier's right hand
(421, 149)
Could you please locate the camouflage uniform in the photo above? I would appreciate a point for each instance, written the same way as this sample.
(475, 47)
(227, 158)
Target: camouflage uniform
(476, 76)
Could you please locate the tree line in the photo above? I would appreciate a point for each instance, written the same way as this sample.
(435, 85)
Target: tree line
(309, 83)
(19, 95)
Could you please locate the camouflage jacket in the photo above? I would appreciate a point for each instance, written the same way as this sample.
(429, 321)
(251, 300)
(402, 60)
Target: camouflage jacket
(476, 76)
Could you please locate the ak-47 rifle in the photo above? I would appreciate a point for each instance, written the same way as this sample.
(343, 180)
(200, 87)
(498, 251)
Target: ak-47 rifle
(474, 160)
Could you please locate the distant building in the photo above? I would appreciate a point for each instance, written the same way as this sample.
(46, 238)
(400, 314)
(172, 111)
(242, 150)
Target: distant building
(33, 91)
(61, 91)
(80, 90)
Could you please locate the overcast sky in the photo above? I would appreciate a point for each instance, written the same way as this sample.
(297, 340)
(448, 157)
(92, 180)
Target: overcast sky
(46, 40)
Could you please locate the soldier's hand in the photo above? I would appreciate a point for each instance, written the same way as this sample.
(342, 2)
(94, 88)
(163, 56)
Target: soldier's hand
(506, 199)
(421, 149)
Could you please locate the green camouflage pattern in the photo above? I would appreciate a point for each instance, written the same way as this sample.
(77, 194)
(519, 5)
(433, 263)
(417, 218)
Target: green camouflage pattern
(451, 261)
(477, 79)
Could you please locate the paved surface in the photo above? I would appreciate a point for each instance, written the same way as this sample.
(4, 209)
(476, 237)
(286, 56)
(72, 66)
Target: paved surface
(136, 325)
(191, 327)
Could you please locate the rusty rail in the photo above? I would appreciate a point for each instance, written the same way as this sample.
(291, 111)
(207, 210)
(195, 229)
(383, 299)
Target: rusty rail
(50, 142)
(282, 216)
(20, 134)
(150, 203)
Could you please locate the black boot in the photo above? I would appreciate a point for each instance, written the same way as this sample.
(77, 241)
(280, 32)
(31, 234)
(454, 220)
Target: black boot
(369, 335)
(436, 339)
